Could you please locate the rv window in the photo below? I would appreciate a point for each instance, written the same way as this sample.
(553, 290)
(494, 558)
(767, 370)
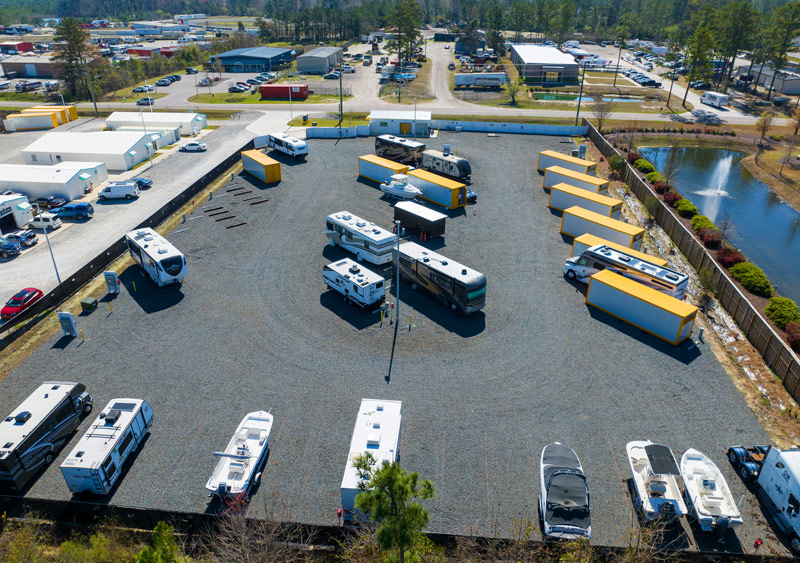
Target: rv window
(405, 262)
(64, 412)
(598, 266)
(109, 467)
(379, 285)
(794, 505)
(125, 443)
(329, 226)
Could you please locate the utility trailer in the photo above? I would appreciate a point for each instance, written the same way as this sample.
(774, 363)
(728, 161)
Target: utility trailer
(418, 219)
(357, 284)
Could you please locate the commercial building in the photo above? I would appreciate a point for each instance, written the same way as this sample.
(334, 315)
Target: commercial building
(15, 47)
(120, 150)
(319, 60)
(189, 123)
(252, 59)
(402, 123)
(15, 212)
(144, 52)
(69, 180)
(538, 64)
(159, 27)
(786, 82)
(30, 66)
(158, 136)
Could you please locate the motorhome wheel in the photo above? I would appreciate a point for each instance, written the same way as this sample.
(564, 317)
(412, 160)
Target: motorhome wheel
(732, 456)
(571, 274)
(795, 543)
(88, 408)
(744, 472)
(48, 458)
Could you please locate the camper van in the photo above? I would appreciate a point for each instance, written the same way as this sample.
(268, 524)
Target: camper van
(357, 284)
(161, 261)
(446, 163)
(714, 99)
(119, 190)
(287, 145)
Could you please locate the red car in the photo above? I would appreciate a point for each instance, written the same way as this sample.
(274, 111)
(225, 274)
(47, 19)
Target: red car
(20, 302)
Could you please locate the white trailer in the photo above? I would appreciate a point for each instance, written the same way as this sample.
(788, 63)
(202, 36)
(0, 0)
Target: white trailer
(554, 158)
(714, 99)
(364, 239)
(357, 284)
(447, 164)
(288, 145)
(161, 261)
(577, 221)
(480, 79)
(564, 196)
(560, 175)
(379, 169)
(585, 241)
(647, 309)
(96, 462)
(377, 431)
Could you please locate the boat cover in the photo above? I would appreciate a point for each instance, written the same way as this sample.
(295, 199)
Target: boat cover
(662, 462)
(568, 499)
(558, 456)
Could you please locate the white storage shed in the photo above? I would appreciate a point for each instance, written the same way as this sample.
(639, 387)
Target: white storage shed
(120, 150)
(161, 137)
(189, 123)
(66, 179)
(15, 212)
(403, 123)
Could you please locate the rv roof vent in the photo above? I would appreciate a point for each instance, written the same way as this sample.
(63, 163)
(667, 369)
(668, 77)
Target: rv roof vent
(79, 454)
(354, 269)
(162, 250)
(148, 238)
(9, 419)
(54, 387)
(8, 445)
(361, 223)
(671, 276)
(624, 258)
(463, 271)
(379, 408)
(141, 233)
(22, 417)
(426, 259)
(444, 262)
(112, 416)
(376, 230)
(446, 150)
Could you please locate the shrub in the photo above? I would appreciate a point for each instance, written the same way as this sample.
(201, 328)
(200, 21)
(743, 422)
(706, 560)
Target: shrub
(643, 166)
(671, 197)
(616, 163)
(660, 186)
(685, 208)
(729, 257)
(633, 157)
(782, 311)
(752, 278)
(793, 336)
(655, 176)
(711, 238)
(702, 222)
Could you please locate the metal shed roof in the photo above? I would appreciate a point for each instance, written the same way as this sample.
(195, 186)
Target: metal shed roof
(541, 55)
(253, 52)
(92, 142)
(321, 52)
(400, 115)
(60, 173)
(154, 117)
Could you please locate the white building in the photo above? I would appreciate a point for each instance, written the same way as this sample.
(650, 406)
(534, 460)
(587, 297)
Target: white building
(15, 212)
(67, 179)
(786, 82)
(402, 123)
(120, 150)
(189, 123)
(161, 137)
(544, 65)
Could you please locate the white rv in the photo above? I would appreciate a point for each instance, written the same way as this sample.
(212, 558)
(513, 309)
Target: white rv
(714, 99)
(288, 145)
(364, 239)
(446, 163)
(164, 263)
(357, 284)
(96, 462)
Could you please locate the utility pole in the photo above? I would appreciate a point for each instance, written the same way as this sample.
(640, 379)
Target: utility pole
(341, 104)
(397, 291)
(619, 56)
(580, 95)
(91, 88)
(148, 145)
(50, 248)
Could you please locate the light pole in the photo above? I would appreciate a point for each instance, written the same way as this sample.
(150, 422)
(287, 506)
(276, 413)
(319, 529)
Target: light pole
(414, 126)
(149, 152)
(64, 105)
(50, 248)
(196, 89)
(619, 56)
(397, 293)
(91, 88)
(580, 94)
(147, 87)
(291, 115)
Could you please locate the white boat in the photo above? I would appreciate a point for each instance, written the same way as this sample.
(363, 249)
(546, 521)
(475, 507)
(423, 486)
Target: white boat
(399, 187)
(655, 481)
(564, 501)
(707, 493)
(239, 467)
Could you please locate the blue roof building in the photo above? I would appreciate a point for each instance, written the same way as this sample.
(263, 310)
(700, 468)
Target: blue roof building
(253, 59)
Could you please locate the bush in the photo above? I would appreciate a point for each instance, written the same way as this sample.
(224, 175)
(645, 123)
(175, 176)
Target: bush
(655, 176)
(729, 257)
(752, 278)
(633, 157)
(643, 166)
(711, 238)
(616, 163)
(793, 336)
(685, 208)
(671, 197)
(782, 311)
(660, 186)
(702, 222)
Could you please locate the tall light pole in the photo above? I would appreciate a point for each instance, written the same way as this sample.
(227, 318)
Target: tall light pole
(291, 115)
(50, 248)
(149, 152)
(619, 56)
(397, 294)
(414, 126)
(580, 95)
(64, 105)
(91, 88)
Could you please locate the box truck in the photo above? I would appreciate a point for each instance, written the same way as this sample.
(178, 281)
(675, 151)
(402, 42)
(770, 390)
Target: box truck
(564, 196)
(438, 189)
(577, 221)
(379, 169)
(261, 166)
(555, 158)
(647, 309)
(560, 175)
(419, 220)
(446, 163)
(585, 241)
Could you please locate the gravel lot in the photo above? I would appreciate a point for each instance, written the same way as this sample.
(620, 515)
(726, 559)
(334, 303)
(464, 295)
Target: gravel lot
(252, 328)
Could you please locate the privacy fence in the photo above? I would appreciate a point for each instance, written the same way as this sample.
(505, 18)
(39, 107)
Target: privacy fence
(776, 353)
(518, 128)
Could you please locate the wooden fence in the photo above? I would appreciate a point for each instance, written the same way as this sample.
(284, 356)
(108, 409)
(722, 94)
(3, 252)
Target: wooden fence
(776, 353)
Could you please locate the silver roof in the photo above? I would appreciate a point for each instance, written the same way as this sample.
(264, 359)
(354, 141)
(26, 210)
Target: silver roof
(629, 261)
(355, 272)
(420, 210)
(364, 228)
(153, 244)
(439, 263)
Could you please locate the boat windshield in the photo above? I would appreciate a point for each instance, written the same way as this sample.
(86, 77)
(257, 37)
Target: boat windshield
(172, 265)
(568, 501)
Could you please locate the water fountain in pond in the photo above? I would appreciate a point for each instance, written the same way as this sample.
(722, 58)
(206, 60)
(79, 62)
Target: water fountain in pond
(720, 178)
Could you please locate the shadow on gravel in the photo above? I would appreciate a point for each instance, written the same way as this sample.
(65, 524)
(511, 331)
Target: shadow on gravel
(149, 297)
(62, 342)
(249, 181)
(430, 308)
(711, 542)
(681, 352)
(285, 158)
(353, 314)
(558, 213)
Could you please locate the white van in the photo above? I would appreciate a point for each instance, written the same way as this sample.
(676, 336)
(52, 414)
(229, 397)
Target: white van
(46, 221)
(121, 190)
(714, 99)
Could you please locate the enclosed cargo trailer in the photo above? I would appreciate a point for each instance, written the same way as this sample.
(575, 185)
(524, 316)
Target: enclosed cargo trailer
(555, 158)
(652, 311)
(564, 196)
(60, 113)
(560, 175)
(438, 189)
(577, 221)
(378, 169)
(585, 241)
(284, 91)
(418, 219)
(30, 121)
(261, 166)
(72, 113)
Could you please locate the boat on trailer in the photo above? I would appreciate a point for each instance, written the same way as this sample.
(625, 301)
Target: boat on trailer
(398, 187)
(239, 467)
(655, 481)
(707, 493)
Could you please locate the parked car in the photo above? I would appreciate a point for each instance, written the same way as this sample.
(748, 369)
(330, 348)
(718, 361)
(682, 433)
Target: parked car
(191, 70)
(143, 183)
(139, 89)
(9, 248)
(447, 46)
(237, 89)
(698, 85)
(119, 190)
(194, 146)
(243, 85)
(25, 238)
(346, 69)
(253, 82)
(50, 202)
(46, 221)
(451, 66)
(779, 100)
(175, 77)
(20, 302)
(331, 76)
(75, 211)
(163, 82)
(145, 101)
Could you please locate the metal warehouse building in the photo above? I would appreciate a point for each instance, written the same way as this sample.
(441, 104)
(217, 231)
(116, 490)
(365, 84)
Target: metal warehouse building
(189, 123)
(320, 60)
(544, 65)
(119, 150)
(786, 82)
(392, 122)
(66, 179)
(253, 59)
(15, 212)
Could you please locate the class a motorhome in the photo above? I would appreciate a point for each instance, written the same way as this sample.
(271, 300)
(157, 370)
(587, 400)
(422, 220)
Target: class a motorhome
(33, 434)
(446, 163)
(364, 239)
(357, 284)
(96, 462)
(161, 261)
(287, 145)
(399, 149)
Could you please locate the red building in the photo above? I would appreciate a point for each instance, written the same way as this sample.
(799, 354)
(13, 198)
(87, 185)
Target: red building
(15, 47)
(144, 51)
(284, 91)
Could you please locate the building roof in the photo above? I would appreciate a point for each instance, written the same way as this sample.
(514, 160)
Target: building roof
(377, 431)
(539, 54)
(97, 142)
(420, 210)
(400, 115)
(253, 53)
(28, 58)
(321, 52)
(60, 173)
(160, 118)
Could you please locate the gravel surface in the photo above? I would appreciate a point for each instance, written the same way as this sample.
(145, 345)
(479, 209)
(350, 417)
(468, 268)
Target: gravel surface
(253, 328)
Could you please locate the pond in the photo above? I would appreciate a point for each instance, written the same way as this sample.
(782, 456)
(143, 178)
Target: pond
(765, 228)
(574, 98)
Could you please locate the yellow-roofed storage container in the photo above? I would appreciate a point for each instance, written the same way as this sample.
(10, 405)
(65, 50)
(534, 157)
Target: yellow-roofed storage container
(261, 166)
(72, 113)
(560, 175)
(577, 221)
(438, 189)
(555, 158)
(564, 196)
(379, 169)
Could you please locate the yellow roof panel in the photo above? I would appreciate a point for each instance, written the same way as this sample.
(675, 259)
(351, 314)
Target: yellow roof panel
(647, 294)
(591, 240)
(591, 196)
(568, 158)
(603, 220)
(259, 157)
(436, 179)
(577, 175)
(386, 163)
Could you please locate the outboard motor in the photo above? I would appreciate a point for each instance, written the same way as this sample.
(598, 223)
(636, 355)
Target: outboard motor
(222, 489)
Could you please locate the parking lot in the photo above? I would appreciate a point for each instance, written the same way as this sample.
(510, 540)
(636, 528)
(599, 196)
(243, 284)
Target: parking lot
(252, 327)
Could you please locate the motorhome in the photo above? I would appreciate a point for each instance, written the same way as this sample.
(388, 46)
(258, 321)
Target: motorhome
(95, 463)
(33, 434)
(603, 257)
(446, 163)
(288, 145)
(161, 261)
(714, 99)
(455, 285)
(364, 239)
(399, 149)
(357, 284)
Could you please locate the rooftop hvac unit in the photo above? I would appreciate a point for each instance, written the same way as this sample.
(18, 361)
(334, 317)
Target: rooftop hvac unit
(446, 150)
